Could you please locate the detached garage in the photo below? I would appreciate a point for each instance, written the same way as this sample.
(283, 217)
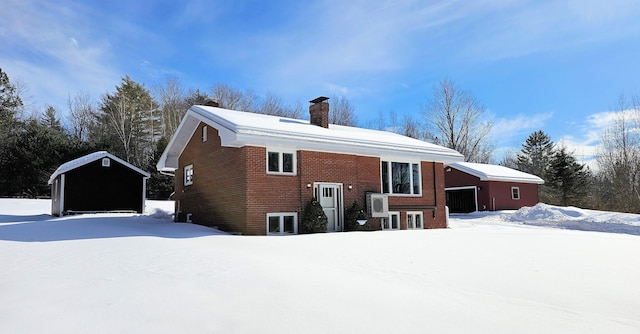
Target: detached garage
(97, 182)
(473, 187)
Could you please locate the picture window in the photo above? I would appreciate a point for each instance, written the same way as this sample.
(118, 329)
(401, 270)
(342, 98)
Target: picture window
(400, 178)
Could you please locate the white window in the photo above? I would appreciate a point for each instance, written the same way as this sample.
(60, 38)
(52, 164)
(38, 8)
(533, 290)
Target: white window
(401, 178)
(106, 162)
(281, 162)
(392, 222)
(282, 223)
(204, 133)
(515, 192)
(188, 175)
(414, 220)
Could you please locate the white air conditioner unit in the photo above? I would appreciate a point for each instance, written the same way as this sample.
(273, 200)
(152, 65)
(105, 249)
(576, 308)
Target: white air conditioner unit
(377, 205)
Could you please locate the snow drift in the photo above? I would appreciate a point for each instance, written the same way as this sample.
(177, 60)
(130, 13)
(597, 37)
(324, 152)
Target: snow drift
(576, 219)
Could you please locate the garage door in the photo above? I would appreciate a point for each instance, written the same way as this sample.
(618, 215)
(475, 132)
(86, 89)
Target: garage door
(461, 200)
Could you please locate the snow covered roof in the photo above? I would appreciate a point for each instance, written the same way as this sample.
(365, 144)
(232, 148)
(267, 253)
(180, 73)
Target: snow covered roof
(238, 129)
(495, 173)
(89, 158)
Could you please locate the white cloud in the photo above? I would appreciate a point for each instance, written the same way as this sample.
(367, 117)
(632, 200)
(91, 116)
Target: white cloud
(505, 130)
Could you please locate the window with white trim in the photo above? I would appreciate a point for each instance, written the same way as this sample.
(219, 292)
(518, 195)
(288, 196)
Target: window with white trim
(282, 223)
(515, 192)
(414, 220)
(204, 134)
(106, 162)
(401, 178)
(188, 175)
(281, 162)
(392, 222)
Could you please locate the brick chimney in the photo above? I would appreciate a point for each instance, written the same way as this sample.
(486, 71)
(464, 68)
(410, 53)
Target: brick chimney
(319, 111)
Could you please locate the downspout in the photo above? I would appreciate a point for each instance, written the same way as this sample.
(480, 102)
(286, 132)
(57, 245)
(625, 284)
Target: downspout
(435, 191)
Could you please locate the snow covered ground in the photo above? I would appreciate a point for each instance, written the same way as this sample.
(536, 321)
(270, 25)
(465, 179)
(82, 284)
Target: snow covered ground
(505, 272)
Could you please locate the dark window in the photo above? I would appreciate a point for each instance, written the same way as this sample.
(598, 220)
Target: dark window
(274, 161)
(400, 178)
(287, 162)
(515, 193)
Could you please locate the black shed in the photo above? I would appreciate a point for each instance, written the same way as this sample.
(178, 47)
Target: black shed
(97, 182)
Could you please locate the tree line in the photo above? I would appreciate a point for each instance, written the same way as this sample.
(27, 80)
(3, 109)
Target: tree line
(136, 123)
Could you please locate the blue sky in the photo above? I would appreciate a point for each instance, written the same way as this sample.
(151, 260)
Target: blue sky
(557, 66)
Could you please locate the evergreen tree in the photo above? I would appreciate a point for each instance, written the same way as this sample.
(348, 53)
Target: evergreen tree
(9, 102)
(536, 154)
(568, 179)
(129, 124)
(315, 220)
(159, 186)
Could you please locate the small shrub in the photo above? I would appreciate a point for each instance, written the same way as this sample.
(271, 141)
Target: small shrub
(315, 220)
(351, 217)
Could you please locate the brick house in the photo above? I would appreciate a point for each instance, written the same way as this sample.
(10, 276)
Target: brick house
(254, 174)
(478, 187)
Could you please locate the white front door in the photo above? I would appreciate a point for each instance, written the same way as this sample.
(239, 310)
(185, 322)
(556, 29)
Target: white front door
(330, 197)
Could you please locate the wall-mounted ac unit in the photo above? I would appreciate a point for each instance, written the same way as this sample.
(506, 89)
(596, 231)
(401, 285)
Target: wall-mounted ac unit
(377, 205)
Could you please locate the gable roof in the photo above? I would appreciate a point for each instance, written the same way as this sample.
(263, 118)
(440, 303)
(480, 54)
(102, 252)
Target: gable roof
(495, 173)
(89, 158)
(238, 129)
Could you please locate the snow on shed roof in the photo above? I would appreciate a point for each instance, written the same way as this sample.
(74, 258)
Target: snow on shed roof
(89, 158)
(495, 173)
(238, 128)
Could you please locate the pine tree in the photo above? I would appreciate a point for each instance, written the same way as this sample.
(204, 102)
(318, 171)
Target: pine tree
(568, 179)
(9, 101)
(129, 124)
(536, 154)
(315, 220)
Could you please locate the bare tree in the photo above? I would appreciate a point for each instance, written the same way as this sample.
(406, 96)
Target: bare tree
(173, 104)
(82, 114)
(229, 97)
(456, 120)
(619, 159)
(342, 112)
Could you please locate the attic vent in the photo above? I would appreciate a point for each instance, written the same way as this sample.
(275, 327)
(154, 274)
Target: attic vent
(106, 162)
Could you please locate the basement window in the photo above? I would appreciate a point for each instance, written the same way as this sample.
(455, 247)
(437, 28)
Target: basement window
(188, 175)
(414, 220)
(515, 192)
(282, 223)
(281, 162)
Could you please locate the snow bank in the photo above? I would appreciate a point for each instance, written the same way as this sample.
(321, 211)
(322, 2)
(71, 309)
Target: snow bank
(576, 219)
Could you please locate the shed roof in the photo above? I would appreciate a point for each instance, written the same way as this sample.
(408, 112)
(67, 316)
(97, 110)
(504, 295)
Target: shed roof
(488, 172)
(238, 129)
(89, 158)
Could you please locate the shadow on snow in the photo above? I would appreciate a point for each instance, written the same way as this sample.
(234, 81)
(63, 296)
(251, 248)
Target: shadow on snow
(43, 228)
